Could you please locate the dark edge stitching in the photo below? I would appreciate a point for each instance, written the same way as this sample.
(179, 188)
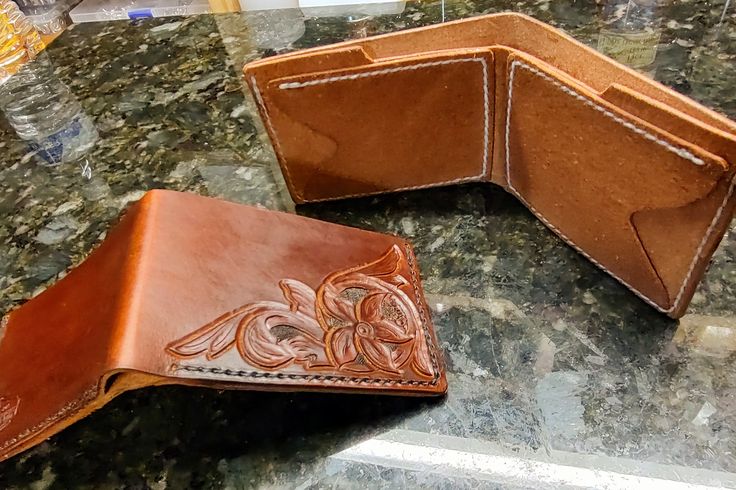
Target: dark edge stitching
(336, 378)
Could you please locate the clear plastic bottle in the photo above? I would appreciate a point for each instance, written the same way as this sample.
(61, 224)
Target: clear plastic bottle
(631, 33)
(19, 40)
(41, 109)
(47, 16)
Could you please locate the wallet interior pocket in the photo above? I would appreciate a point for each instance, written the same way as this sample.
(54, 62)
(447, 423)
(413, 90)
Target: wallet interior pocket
(411, 123)
(675, 122)
(590, 171)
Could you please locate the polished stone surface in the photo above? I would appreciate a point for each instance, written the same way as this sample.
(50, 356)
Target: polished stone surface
(555, 369)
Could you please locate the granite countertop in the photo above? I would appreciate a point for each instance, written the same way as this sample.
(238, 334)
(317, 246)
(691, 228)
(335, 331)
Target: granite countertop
(555, 369)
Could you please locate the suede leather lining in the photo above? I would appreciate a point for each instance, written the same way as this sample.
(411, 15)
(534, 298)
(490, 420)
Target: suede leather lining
(636, 177)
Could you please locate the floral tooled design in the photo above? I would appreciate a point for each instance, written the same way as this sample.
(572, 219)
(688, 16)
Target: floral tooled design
(359, 320)
(8, 409)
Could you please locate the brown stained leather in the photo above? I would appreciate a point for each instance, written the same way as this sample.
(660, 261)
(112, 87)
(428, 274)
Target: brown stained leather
(191, 290)
(636, 177)
(323, 155)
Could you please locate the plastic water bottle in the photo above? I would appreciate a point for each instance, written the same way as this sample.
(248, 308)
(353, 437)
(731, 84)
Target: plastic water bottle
(41, 109)
(47, 16)
(631, 33)
(19, 40)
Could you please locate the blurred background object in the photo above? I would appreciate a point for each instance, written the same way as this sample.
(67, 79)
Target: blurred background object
(714, 58)
(102, 10)
(48, 16)
(712, 336)
(631, 33)
(20, 41)
(268, 4)
(355, 8)
(274, 29)
(35, 102)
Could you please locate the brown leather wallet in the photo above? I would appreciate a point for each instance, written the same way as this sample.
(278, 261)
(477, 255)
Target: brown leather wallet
(191, 290)
(634, 176)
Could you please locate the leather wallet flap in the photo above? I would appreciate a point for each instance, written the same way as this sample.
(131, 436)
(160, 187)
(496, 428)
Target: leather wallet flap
(597, 169)
(433, 113)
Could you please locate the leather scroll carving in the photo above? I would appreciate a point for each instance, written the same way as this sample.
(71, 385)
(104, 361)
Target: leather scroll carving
(359, 320)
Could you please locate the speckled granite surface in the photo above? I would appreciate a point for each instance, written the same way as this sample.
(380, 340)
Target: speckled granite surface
(554, 368)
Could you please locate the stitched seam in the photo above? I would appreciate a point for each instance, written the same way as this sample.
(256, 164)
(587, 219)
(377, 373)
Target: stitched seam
(276, 143)
(486, 118)
(386, 71)
(67, 410)
(339, 378)
(374, 73)
(708, 232)
(532, 208)
(681, 152)
(300, 377)
(678, 151)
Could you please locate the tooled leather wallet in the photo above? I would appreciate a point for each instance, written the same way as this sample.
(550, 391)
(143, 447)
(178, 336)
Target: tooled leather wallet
(634, 176)
(191, 290)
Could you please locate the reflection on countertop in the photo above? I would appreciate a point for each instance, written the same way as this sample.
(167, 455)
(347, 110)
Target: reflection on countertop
(555, 369)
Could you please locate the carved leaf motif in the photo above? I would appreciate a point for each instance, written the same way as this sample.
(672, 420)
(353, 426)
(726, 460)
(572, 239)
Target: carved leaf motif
(360, 320)
(422, 360)
(258, 343)
(332, 305)
(301, 297)
(386, 268)
(342, 346)
(214, 339)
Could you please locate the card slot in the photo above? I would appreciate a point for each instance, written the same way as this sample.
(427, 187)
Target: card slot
(304, 62)
(674, 122)
(589, 172)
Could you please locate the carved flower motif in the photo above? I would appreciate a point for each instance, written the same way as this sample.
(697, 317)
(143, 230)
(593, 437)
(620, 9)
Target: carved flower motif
(359, 321)
(369, 336)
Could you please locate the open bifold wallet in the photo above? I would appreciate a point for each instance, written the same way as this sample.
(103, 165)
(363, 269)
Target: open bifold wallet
(194, 291)
(634, 176)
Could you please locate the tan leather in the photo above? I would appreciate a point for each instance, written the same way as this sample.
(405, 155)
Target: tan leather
(636, 177)
(191, 290)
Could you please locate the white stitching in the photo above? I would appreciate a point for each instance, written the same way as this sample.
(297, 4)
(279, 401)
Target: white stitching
(532, 208)
(374, 73)
(385, 71)
(486, 112)
(710, 230)
(276, 144)
(681, 152)
(678, 151)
